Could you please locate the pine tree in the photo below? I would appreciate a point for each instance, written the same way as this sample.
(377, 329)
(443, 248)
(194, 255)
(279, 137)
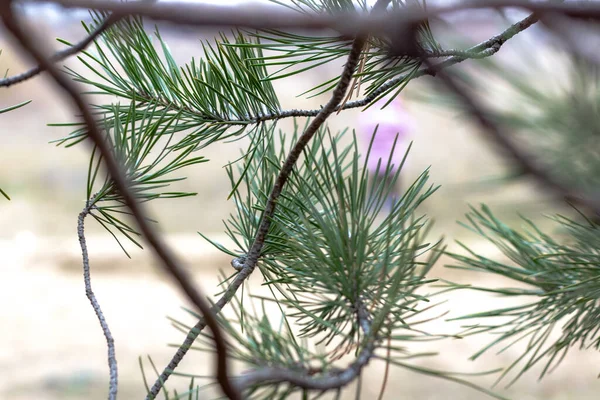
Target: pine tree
(347, 271)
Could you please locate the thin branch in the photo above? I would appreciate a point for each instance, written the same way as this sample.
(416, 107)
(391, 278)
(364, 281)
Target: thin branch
(60, 55)
(488, 47)
(351, 24)
(210, 15)
(169, 261)
(502, 139)
(462, 53)
(335, 380)
(110, 342)
(481, 50)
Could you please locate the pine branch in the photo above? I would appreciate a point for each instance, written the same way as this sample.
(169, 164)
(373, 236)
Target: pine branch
(559, 279)
(483, 49)
(334, 380)
(110, 343)
(196, 111)
(171, 265)
(209, 96)
(60, 55)
(248, 262)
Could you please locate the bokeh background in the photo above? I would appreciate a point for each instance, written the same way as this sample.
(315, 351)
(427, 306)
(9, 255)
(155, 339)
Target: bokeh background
(51, 346)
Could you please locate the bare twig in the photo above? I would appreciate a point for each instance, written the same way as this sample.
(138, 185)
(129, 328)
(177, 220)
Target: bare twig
(110, 343)
(60, 55)
(170, 263)
(350, 24)
(210, 15)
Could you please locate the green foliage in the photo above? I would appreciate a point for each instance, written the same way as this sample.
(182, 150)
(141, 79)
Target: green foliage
(222, 89)
(550, 103)
(296, 53)
(5, 110)
(331, 247)
(150, 153)
(562, 279)
(10, 108)
(559, 121)
(3, 193)
(334, 249)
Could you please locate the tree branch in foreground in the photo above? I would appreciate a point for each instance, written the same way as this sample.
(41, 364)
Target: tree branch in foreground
(170, 264)
(350, 24)
(60, 55)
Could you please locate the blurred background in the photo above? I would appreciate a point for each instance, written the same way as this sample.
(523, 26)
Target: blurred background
(52, 346)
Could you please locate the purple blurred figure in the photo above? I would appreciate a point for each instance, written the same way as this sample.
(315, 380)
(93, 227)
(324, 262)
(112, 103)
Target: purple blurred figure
(392, 120)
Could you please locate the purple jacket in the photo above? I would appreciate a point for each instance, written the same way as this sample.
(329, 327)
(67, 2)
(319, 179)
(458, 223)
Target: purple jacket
(392, 120)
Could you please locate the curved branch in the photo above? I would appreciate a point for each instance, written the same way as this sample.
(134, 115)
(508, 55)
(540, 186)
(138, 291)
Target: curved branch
(110, 342)
(335, 380)
(164, 253)
(481, 50)
(60, 55)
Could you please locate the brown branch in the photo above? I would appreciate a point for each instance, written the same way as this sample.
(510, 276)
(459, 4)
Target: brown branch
(209, 15)
(499, 136)
(110, 343)
(60, 55)
(332, 380)
(350, 24)
(169, 261)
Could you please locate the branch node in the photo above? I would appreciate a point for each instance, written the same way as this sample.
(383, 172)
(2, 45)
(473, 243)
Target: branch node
(239, 263)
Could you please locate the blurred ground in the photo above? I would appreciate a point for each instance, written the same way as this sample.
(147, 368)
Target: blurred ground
(52, 347)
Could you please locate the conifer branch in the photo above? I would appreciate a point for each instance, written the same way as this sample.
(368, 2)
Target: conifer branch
(484, 49)
(248, 262)
(171, 265)
(60, 55)
(481, 50)
(333, 380)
